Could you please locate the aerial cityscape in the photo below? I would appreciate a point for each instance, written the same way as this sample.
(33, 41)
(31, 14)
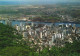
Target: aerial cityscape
(39, 28)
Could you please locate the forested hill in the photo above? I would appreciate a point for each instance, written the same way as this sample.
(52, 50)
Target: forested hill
(8, 36)
(11, 44)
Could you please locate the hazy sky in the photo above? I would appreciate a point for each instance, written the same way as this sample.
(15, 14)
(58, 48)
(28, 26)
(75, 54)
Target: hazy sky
(44, 0)
(40, 1)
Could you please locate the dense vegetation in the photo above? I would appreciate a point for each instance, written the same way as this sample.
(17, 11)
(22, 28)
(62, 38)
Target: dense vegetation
(12, 45)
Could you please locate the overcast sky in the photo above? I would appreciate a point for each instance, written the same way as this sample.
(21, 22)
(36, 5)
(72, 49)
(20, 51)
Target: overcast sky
(44, 1)
(41, 0)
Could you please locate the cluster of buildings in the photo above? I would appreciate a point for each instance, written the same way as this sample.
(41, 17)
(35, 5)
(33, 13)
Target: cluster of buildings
(49, 35)
(45, 35)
